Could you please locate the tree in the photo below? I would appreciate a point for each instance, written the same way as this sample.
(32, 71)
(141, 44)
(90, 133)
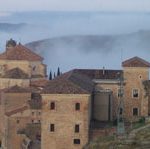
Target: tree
(58, 71)
(50, 76)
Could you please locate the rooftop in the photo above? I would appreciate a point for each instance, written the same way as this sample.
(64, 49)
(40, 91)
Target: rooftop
(19, 52)
(69, 83)
(16, 73)
(135, 62)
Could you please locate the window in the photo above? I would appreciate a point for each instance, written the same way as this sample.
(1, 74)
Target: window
(77, 128)
(18, 121)
(32, 121)
(135, 111)
(76, 141)
(77, 106)
(32, 113)
(120, 93)
(39, 121)
(33, 68)
(135, 93)
(39, 113)
(52, 105)
(52, 127)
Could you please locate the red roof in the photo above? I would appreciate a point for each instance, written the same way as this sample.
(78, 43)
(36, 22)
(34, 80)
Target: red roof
(17, 89)
(20, 109)
(135, 62)
(20, 52)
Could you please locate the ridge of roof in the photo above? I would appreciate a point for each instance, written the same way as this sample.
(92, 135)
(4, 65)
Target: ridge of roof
(20, 52)
(99, 73)
(16, 73)
(20, 109)
(135, 62)
(67, 83)
(16, 89)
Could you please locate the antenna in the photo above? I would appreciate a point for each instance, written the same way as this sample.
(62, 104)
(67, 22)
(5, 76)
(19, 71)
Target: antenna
(121, 56)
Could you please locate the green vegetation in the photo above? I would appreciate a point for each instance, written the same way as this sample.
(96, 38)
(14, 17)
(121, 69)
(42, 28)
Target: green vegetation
(138, 138)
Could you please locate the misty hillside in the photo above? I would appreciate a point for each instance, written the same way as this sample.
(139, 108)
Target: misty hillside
(9, 27)
(94, 43)
(92, 51)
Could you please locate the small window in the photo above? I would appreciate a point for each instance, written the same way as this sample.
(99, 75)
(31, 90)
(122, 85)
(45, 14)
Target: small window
(76, 141)
(52, 105)
(135, 111)
(52, 127)
(120, 93)
(32, 113)
(33, 68)
(77, 106)
(18, 121)
(32, 121)
(77, 128)
(39, 113)
(135, 93)
(39, 121)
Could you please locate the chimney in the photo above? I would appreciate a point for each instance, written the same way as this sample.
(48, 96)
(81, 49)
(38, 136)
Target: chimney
(11, 43)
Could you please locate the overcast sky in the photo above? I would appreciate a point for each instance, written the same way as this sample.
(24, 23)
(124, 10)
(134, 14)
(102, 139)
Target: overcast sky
(75, 5)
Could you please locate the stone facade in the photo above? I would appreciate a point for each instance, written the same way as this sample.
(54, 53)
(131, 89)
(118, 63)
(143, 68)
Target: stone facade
(65, 117)
(65, 107)
(134, 77)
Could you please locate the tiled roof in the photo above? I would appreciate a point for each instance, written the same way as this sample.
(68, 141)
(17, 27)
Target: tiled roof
(17, 89)
(16, 73)
(135, 62)
(79, 81)
(99, 73)
(20, 52)
(39, 83)
(69, 83)
(20, 109)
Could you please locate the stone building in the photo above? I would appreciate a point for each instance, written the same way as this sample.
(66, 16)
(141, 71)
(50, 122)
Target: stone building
(22, 75)
(61, 113)
(97, 92)
(19, 65)
(66, 112)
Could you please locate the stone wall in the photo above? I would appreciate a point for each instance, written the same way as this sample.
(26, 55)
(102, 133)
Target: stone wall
(8, 82)
(64, 117)
(134, 77)
(113, 87)
(30, 67)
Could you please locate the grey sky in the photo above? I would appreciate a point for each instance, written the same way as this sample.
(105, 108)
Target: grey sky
(75, 5)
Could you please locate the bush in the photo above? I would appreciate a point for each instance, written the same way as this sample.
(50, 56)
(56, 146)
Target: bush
(142, 120)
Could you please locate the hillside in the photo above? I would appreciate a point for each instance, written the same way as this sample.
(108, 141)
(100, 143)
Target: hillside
(98, 43)
(10, 27)
(92, 51)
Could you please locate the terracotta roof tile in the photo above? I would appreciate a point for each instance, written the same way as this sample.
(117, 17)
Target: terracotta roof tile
(17, 89)
(20, 52)
(135, 62)
(79, 81)
(99, 73)
(16, 73)
(20, 109)
(69, 83)
(39, 83)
